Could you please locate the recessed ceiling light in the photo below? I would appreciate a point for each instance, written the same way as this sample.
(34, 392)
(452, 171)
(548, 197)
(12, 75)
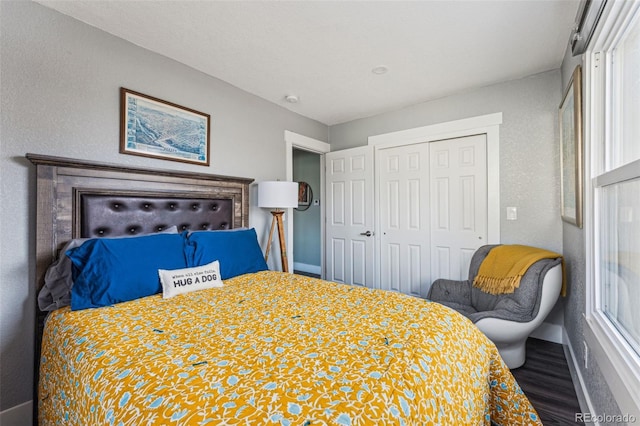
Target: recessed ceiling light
(292, 99)
(380, 69)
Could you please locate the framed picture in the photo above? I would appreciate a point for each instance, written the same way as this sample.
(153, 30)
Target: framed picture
(571, 166)
(304, 194)
(155, 128)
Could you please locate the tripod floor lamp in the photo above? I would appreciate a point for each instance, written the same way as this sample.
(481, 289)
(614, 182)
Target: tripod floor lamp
(278, 195)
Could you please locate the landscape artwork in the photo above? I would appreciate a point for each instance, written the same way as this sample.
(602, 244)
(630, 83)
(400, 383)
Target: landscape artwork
(155, 128)
(570, 120)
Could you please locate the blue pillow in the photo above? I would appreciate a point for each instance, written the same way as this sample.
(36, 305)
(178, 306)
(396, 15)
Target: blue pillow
(237, 251)
(58, 279)
(114, 270)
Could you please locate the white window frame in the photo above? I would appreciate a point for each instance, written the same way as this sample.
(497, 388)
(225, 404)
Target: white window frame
(618, 362)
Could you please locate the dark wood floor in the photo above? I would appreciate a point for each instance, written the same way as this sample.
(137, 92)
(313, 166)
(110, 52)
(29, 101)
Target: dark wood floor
(546, 381)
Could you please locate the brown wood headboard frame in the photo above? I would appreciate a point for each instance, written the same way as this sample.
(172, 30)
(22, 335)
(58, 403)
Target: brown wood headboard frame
(60, 180)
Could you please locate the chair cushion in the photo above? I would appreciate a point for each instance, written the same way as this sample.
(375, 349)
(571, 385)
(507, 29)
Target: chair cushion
(465, 310)
(444, 290)
(521, 305)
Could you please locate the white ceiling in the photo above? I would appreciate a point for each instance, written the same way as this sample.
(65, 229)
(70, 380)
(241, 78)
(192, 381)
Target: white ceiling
(324, 51)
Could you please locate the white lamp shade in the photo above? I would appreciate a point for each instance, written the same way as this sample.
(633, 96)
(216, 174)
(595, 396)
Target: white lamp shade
(277, 194)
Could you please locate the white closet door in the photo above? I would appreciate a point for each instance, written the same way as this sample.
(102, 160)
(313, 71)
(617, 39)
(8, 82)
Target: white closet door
(350, 216)
(403, 179)
(458, 175)
(432, 211)
(432, 207)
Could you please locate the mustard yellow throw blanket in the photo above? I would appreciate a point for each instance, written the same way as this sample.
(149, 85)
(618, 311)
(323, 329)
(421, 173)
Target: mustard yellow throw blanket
(501, 271)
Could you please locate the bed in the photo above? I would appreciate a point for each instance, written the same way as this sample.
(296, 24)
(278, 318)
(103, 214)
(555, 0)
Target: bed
(253, 347)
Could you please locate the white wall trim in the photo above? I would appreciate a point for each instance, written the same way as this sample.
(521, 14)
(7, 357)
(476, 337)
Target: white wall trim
(582, 392)
(549, 332)
(493, 183)
(446, 130)
(294, 140)
(19, 415)
(306, 143)
(305, 267)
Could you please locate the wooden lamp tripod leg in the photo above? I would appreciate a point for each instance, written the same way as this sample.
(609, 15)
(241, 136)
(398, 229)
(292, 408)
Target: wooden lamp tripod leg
(273, 225)
(277, 218)
(283, 247)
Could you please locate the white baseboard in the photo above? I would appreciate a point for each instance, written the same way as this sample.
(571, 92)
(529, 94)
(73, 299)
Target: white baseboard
(549, 332)
(574, 367)
(310, 269)
(20, 415)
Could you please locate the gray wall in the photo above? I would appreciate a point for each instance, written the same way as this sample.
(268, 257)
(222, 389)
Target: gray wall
(307, 224)
(573, 240)
(60, 96)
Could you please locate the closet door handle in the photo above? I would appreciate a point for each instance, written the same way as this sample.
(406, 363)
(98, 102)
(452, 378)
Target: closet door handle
(366, 234)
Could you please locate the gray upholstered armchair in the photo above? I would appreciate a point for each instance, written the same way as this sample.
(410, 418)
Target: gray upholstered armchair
(507, 319)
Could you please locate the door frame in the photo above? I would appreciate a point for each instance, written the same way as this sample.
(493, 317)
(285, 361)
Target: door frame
(294, 140)
(485, 124)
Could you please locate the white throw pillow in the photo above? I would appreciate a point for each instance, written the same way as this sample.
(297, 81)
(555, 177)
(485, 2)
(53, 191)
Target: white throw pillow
(180, 281)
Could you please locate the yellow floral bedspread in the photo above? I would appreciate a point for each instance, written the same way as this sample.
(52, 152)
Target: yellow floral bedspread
(274, 349)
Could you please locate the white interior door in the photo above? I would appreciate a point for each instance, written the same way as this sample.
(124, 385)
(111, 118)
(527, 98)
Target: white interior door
(349, 216)
(403, 187)
(458, 176)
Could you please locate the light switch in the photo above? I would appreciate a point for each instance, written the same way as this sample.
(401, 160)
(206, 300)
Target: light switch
(512, 213)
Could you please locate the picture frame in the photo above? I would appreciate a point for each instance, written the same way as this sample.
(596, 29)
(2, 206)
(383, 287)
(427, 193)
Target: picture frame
(152, 127)
(304, 194)
(571, 150)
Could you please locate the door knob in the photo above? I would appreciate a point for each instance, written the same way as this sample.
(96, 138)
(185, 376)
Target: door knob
(367, 234)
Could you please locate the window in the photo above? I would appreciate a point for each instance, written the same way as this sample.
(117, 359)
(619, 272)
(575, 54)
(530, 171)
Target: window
(619, 257)
(613, 200)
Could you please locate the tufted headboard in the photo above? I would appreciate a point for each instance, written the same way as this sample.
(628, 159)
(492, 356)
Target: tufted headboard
(121, 213)
(82, 199)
